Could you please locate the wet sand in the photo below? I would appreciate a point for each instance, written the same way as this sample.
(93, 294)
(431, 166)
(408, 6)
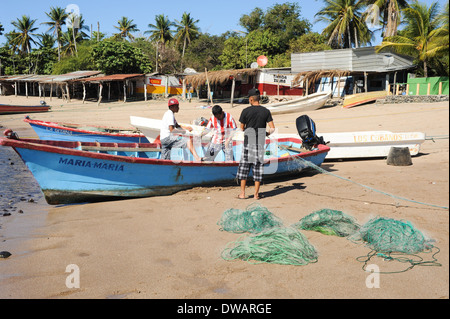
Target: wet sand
(171, 246)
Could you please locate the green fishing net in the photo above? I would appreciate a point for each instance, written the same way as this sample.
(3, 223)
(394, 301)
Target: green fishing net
(254, 219)
(329, 222)
(396, 240)
(389, 235)
(278, 245)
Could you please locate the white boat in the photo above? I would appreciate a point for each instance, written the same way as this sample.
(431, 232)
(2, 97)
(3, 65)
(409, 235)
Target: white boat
(344, 145)
(305, 103)
(151, 128)
(368, 144)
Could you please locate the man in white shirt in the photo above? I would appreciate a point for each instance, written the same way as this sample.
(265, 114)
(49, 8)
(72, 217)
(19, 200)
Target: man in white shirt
(170, 130)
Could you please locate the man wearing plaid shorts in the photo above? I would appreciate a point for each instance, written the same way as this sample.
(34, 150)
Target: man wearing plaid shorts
(253, 122)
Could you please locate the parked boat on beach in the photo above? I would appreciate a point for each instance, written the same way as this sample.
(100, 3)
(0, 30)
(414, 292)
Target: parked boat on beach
(84, 133)
(71, 172)
(17, 109)
(363, 98)
(367, 144)
(305, 103)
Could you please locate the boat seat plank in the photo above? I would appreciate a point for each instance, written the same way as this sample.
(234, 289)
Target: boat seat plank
(119, 149)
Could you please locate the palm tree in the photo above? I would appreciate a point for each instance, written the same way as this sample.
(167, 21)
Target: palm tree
(390, 11)
(346, 24)
(58, 18)
(126, 27)
(160, 33)
(24, 36)
(46, 41)
(422, 36)
(186, 30)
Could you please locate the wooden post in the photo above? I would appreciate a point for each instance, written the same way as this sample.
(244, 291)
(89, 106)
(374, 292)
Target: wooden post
(68, 92)
(397, 89)
(84, 92)
(417, 89)
(209, 87)
(233, 85)
(51, 91)
(278, 85)
(100, 89)
(145, 91)
(39, 88)
(166, 88)
(26, 89)
(407, 89)
(15, 88)
(429, 89)
(395, 83)
(124, 92)
(183, 94)
(365, 81)
(109, 91)
(440, 88)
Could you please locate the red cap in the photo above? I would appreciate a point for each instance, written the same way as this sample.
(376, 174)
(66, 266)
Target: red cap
(173, 102)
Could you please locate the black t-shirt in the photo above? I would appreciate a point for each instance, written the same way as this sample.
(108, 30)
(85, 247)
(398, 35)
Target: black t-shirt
(255, 119)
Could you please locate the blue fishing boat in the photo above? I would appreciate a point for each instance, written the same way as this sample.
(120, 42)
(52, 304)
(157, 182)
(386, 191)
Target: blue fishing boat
(83, 133)
(71, 172)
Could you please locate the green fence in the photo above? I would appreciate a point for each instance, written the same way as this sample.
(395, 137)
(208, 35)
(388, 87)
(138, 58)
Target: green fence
(428, 86)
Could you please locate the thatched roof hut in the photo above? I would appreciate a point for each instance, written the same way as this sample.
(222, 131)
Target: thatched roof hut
(217, 77)
(313, 76)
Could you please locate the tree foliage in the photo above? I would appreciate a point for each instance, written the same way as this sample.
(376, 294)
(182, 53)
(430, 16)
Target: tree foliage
(119, 57)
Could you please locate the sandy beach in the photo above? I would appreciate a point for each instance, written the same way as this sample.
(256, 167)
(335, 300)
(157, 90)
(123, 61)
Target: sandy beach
(170, 247)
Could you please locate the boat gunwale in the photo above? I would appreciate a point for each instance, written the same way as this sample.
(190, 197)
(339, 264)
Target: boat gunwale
(58, 148)
(61, 126)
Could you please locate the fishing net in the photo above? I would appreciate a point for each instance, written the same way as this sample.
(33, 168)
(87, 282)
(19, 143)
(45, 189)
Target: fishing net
(390, 235)
(396, 240)
(278, 245)
(329, 222)
(254, 219)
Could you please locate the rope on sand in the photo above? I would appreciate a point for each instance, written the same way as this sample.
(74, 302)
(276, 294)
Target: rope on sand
(312, 165)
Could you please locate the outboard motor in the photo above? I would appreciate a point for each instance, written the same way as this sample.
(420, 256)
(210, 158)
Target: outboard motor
(307, 130)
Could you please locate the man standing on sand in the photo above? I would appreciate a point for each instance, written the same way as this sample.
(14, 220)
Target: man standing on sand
(169, 133)
(253, 122)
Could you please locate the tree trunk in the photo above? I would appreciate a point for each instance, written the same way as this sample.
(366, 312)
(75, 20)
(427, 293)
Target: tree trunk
(425, 69)
(74, 40)
(349, 37)
(392, 21)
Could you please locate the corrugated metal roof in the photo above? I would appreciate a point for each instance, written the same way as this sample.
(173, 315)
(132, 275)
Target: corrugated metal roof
(113, 77)
(354, 60)
(50, 78)
(69, 76)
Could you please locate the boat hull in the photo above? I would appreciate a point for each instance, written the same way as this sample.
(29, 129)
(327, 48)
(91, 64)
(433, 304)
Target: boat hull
(368, 144)
(307, 103)
(363, 98)
(60, 132)
(68, 175)
(16, 109)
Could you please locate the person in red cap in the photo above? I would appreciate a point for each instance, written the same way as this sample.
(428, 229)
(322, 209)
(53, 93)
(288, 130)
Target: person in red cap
(171, 131)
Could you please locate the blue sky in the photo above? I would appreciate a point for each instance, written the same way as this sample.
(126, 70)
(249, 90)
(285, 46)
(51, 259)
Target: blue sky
(216, 17)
